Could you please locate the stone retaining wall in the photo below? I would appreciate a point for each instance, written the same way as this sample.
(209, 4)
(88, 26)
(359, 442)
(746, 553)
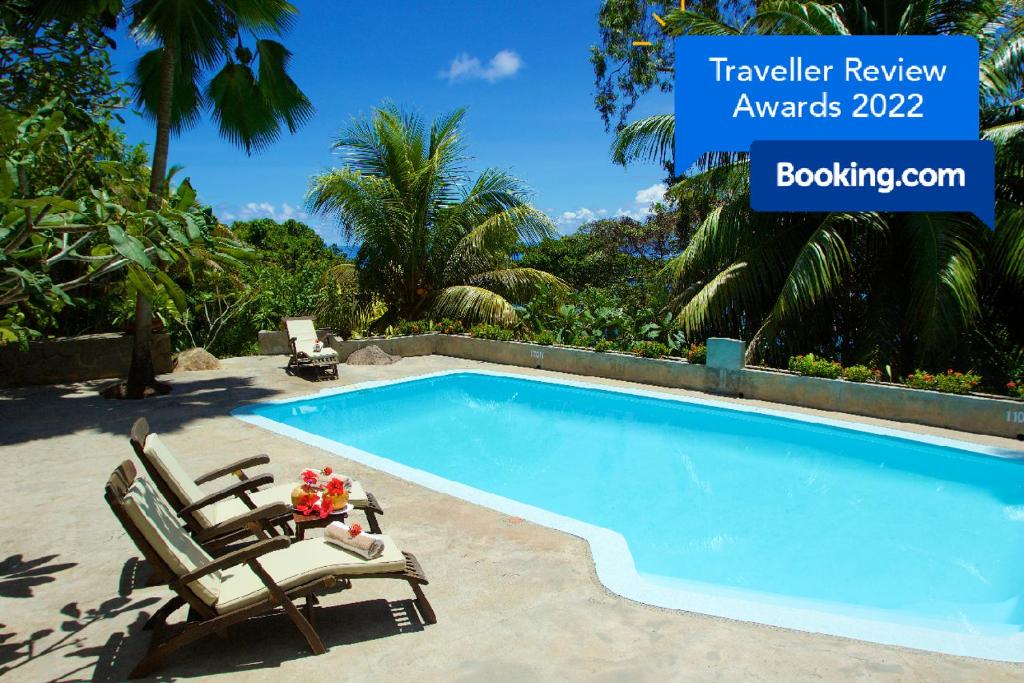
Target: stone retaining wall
(76, 359)
(725, 375)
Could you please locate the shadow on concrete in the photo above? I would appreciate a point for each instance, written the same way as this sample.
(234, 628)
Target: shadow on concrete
(33, 413)
(67, 633)
(261, 643)
(19, 576)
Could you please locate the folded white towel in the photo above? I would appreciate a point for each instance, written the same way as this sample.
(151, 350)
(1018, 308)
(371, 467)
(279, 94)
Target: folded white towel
(366, 546)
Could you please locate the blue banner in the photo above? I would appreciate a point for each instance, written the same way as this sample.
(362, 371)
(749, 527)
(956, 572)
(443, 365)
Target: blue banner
(731, 91)
(942, 175)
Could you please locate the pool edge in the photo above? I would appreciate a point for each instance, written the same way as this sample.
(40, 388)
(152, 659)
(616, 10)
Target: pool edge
(610, 553)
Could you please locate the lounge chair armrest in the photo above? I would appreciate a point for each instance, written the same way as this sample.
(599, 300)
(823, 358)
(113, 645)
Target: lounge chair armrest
(239, 488)
(239, 466)
(236, 557)
(264, 513)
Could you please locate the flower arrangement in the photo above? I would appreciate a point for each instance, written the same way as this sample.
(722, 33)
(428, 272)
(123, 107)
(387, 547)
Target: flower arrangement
(320, 493)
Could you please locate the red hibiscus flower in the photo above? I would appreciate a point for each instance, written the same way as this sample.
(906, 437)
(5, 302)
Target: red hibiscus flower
(327, 471)
(326, 507)
(308, 505)
(309, 478)
(355, 530)
(335, 487)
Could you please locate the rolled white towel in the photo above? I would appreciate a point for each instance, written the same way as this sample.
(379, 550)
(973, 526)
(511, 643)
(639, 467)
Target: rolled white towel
(364, 545)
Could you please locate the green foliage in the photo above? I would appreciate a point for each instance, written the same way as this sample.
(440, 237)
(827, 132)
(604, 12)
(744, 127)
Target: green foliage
(544, 337)
(697, 353)
(1015, 388)
(811, 366)
(949, 382)
(432, 240)
(861, 373)
(411, 327)
(55, 240)
(650, 349)
(489, 331)
(605, 345)
(449, 326)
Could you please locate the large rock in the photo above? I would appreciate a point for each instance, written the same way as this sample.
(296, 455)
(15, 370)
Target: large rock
(371, 355)
(196, 359)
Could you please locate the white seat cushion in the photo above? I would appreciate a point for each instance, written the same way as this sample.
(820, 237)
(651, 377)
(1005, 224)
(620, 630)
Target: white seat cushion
(170, 469)
(161, 528)
(301, 563)
(282, 493)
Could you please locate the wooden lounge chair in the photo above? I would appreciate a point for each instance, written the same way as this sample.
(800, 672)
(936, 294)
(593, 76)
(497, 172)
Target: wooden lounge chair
(264, 577)
(301, 338)
(213, 518)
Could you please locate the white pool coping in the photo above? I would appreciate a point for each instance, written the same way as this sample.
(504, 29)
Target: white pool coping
(614, 562)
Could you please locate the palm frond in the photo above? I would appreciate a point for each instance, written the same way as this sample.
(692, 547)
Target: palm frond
(519, 285)
(649, 139)
(475, 304)
(277, 89)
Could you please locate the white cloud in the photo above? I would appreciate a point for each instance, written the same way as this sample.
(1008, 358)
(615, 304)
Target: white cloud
(253, 210)
(574, 219)
(652, 194)
(466, 67)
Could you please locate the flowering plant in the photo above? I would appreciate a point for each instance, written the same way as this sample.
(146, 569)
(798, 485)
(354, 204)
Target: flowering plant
(355, 530)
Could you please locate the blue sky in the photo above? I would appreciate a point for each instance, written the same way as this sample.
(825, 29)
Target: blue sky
(521, 68)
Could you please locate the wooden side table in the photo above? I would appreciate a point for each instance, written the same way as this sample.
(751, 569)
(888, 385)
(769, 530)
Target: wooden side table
(303, 522)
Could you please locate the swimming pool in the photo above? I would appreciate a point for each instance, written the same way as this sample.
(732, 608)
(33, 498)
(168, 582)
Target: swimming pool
(706, 506)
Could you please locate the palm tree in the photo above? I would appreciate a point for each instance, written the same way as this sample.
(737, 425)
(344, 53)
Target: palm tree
(431, 241)
(250, 96)
(868, 286)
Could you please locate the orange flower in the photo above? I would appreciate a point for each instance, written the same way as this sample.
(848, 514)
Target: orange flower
(355, 530)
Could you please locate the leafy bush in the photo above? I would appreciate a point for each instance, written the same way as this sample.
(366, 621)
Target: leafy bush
(605, 345)
(1016, 389)
(811, 366)
(447, 326)
(411, 327)
(649, 349)
(948, 383)
(697, 353)
(861, 373)
(545, 337)
(495, 332)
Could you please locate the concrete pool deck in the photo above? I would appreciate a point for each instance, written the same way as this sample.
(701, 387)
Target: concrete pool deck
(515, 601)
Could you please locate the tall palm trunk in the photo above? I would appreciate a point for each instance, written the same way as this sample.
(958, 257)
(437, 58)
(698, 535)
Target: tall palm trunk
(141, 375)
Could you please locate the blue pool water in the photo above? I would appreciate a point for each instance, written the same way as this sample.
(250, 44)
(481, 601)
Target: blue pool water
(716, 500)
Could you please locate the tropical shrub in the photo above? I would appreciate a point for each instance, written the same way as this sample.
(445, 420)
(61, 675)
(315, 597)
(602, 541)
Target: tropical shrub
(650, 349)
(949, 382)
(411, 327)
(697, 353)
(544, 337)
(605, 345)
(811, 366)
(861, 373)
(489, 331)
(1016, 389)
(448, 326)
